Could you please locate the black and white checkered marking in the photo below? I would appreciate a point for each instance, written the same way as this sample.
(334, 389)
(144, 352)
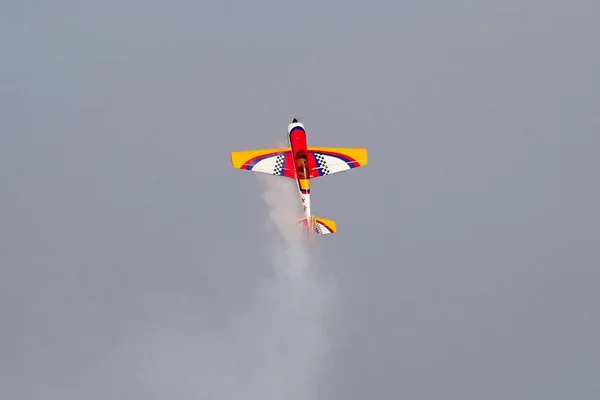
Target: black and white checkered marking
(322, 163)
(319, 229)
(279, 164)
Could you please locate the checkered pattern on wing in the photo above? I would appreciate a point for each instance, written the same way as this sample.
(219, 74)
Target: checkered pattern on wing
(319, 229)
(279, 164)
(322, 163)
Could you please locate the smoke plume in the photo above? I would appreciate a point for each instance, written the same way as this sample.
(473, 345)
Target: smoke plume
(275, 349)
(297, 303)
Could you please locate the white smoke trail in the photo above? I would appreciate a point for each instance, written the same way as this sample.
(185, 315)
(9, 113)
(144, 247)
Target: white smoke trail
(274, 350)
(296, 306)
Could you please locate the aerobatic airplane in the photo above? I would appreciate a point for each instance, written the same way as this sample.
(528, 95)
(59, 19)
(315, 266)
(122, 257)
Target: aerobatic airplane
(302, 163)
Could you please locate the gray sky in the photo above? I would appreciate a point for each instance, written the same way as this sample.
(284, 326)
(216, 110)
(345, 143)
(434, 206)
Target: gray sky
(467, 256)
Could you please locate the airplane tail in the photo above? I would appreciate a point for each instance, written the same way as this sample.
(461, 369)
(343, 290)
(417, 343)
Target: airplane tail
(321, 226)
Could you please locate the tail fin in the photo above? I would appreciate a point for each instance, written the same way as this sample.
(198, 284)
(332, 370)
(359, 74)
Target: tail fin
(321, 226)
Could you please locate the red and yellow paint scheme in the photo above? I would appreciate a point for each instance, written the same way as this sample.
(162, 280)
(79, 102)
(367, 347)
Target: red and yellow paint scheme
(302, 163)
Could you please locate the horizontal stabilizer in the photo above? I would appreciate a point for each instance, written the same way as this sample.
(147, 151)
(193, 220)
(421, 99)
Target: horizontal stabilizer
(325, 226)
(321, 226)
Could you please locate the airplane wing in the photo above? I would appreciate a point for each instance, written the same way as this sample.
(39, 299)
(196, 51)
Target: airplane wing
(269, 161)
(329, 160)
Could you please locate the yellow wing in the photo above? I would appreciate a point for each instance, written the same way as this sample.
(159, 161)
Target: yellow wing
(330, 160)
(268, 161)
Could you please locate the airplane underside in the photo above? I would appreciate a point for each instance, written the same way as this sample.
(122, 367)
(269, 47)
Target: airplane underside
(302, 163)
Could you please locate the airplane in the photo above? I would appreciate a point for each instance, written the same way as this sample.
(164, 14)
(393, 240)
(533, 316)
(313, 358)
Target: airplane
(302, 163)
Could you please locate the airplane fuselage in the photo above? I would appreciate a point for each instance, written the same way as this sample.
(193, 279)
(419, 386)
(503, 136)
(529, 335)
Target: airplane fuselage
(302, 163)
(298, 145)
